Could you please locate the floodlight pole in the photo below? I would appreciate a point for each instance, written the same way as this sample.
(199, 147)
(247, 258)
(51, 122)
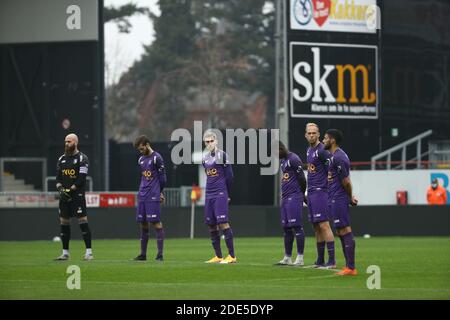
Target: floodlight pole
(281, 105)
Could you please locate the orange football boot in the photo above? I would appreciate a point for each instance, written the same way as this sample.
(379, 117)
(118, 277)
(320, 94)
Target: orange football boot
(347, 272)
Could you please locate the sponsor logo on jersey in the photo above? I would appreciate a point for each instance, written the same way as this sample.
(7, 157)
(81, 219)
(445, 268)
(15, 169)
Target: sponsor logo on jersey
(69, 172)
(147, 174)
(212, 172)
(311, 168)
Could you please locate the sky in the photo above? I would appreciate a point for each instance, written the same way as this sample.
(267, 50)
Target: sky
(122, 49)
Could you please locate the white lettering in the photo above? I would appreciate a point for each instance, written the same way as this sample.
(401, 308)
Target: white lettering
(73, 21)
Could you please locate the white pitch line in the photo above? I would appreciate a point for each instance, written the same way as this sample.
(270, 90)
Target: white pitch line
(239, 284)
(321, 277)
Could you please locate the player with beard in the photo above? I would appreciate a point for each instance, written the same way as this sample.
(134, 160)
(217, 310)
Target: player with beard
(150, 196)
(340, 195)
(72, 169)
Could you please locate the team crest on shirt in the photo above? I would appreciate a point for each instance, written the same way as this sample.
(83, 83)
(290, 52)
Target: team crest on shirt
(330, 176)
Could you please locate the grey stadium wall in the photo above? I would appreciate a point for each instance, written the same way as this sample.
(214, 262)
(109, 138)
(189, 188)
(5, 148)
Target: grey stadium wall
(247, 221)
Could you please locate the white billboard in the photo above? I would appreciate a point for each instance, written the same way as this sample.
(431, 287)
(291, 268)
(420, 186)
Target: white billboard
(379, 187)
(332, 15)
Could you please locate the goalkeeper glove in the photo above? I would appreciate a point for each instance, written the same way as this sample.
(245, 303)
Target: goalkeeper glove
(64, 194)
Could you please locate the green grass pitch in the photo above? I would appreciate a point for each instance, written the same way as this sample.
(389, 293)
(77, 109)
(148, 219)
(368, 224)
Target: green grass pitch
(411, 268)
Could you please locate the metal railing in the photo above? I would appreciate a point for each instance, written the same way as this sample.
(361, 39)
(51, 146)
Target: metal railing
(173, 197)
(402, 146)
(440, 153)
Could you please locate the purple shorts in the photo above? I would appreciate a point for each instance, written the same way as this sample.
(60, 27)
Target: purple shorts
(216, 210)
(291, 212)
(340, 213)
(149, 211)
(318, 206)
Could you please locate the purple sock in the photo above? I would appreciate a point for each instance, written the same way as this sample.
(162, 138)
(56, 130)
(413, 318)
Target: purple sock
(320, 252)
(215, 240)
(229, 241)
(330, 249)
(160, 240)
(349, 242)
(343, 249)
(300, 237)
(144, 241)
(288, 241)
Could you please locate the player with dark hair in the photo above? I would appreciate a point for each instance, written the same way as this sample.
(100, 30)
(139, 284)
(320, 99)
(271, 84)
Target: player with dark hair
(293, 187)
(317, 158)
(219, 177)
(71, 172)
(150, 196)
(340, 195)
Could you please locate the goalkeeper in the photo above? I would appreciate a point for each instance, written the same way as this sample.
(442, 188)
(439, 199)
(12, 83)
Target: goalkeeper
(72, 169)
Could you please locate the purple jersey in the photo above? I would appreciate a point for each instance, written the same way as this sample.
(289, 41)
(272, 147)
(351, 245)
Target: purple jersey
(339, 168)
(218, 174)
(317, 159)
(291, 167)
(153, 177)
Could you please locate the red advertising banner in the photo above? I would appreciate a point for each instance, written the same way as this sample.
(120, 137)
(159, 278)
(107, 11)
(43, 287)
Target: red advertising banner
(117, 200)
